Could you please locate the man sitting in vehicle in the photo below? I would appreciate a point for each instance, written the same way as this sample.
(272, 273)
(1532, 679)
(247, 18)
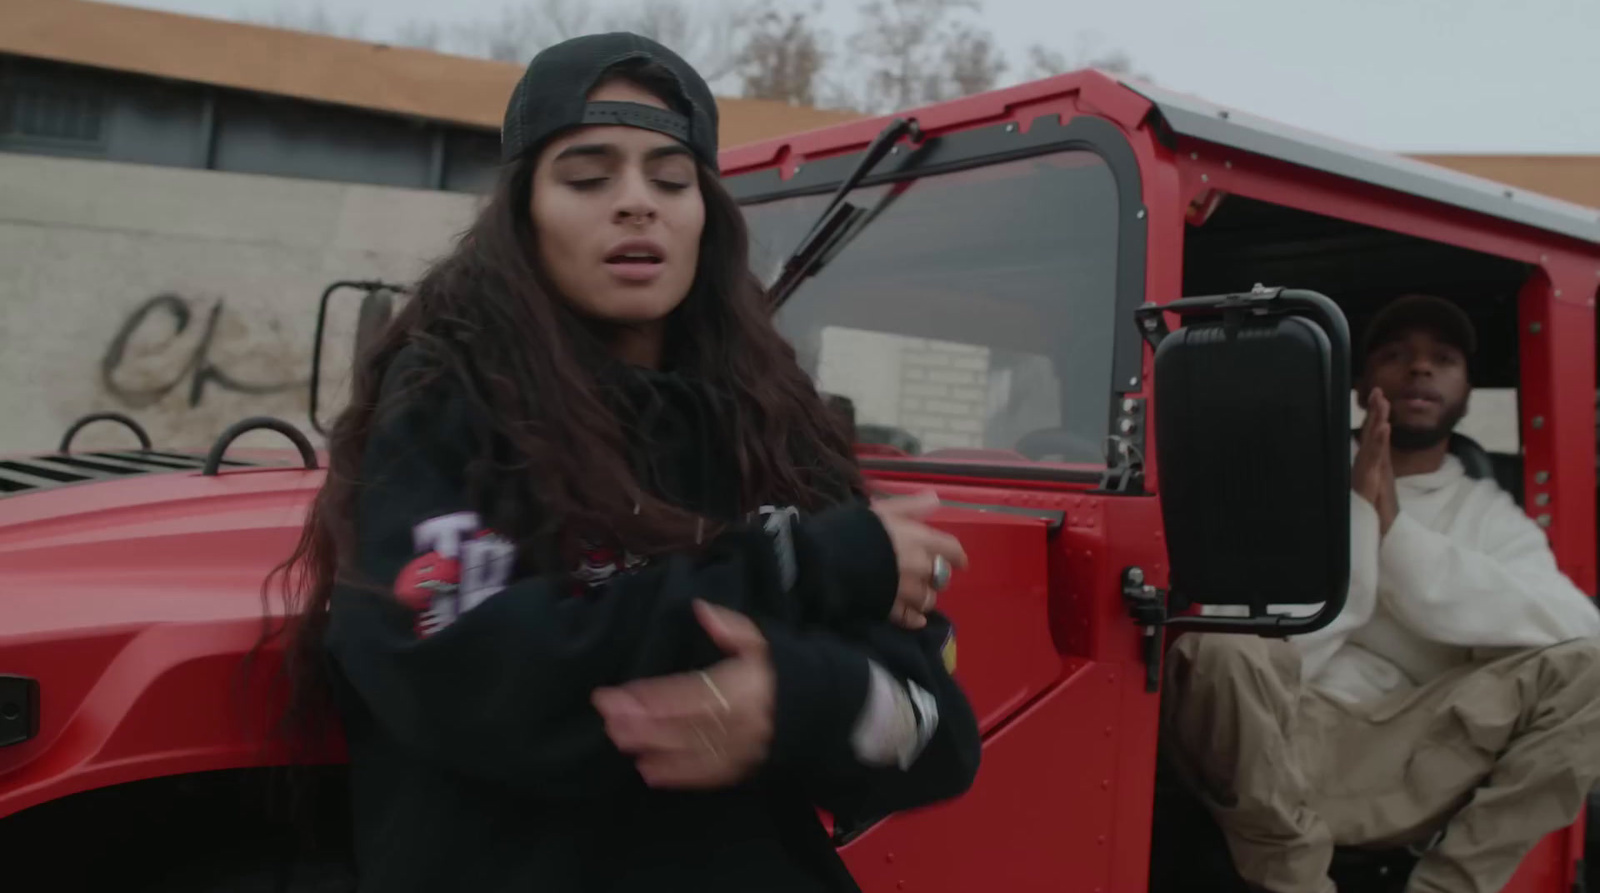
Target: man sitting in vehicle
(1454, 705)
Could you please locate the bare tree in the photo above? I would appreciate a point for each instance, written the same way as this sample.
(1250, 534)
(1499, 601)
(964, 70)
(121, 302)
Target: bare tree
(1045, 62)
(972, 62)
(313, 18)
(422, 35)
(783, 56)
(709, 35)
(522, 31)
(920, 52)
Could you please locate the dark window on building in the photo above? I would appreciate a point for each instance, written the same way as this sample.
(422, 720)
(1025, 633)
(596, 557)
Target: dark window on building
(51, 108)
(472, 160)
(66, 112)
(265, 135)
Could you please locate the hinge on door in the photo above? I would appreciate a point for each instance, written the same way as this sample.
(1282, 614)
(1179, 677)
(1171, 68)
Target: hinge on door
(1148, 607)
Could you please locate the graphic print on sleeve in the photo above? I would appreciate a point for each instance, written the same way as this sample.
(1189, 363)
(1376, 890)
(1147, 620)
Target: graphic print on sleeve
(459, 565)
(597, 564)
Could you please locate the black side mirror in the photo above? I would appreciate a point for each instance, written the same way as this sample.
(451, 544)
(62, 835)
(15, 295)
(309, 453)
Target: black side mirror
(377, 307)
(1252, 427)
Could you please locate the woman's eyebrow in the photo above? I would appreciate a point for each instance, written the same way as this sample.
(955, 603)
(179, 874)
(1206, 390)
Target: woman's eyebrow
(588, 150)
(608, 150)
(667, 151)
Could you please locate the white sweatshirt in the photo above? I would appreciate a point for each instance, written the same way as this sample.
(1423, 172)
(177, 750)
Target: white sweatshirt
(1462, 575)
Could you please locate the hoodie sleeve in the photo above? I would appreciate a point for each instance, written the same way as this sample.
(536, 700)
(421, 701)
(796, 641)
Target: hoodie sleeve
(838, 566)
(472, 667)
(1317, 648)
(816, 751)
(1503, 590)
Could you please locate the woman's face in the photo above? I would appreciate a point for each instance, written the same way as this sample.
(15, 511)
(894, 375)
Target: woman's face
(618, 214)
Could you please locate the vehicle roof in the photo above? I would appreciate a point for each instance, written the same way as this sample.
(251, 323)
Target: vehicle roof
(1196, 118)
(1130, 102)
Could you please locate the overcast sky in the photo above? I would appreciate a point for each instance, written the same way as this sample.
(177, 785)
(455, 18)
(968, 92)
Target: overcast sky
(1517, 76)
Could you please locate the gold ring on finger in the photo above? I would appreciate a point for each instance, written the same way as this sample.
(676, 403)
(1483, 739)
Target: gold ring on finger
(705, 741)
(711, 685)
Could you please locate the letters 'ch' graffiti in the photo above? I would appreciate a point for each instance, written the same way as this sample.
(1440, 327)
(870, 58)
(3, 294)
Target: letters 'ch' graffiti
(198, 369)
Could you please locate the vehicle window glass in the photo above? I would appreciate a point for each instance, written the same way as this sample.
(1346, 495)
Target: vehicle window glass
(970, 319)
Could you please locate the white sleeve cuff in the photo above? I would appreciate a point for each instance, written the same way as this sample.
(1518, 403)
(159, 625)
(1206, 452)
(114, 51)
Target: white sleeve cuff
(779, 524)
(896, 723)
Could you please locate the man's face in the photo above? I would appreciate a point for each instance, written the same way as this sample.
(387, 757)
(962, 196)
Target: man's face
(1425, 381)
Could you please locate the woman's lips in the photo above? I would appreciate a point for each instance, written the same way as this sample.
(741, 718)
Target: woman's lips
(630, 269)
(638, 259)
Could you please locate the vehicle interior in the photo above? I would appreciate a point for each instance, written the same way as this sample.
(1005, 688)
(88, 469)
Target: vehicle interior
(1002, 358)
(1244, 242)
(1231, 244)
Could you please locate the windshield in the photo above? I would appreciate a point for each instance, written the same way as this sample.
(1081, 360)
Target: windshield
(971, 320)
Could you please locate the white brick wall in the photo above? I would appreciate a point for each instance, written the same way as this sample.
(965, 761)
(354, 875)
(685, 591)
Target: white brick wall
(935, 390)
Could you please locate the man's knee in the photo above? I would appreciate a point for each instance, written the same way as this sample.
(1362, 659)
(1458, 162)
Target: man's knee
(1574, 664)
(1202, 667)
(1219, 655)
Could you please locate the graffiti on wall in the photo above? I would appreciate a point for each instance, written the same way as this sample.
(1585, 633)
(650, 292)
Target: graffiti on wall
(197, 368)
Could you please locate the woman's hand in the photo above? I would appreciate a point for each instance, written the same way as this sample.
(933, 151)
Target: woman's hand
(705, 729)
(917, 550)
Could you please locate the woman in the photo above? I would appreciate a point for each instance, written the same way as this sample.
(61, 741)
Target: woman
(575, 643)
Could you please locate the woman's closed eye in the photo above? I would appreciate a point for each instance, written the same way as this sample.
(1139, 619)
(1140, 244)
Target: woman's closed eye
(589, 184)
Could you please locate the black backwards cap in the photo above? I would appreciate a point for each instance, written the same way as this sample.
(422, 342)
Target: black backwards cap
(553, 96)
(1445, 320)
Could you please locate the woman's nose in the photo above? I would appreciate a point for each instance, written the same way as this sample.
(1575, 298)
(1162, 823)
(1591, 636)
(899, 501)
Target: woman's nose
(635, 202)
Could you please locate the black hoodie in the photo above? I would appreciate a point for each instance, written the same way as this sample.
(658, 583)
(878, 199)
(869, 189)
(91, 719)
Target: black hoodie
(477, 760)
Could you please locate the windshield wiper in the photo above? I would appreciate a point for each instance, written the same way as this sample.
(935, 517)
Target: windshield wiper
(829, 232)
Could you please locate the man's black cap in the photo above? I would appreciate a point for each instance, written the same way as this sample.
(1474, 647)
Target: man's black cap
(553, 96)
(1444, 319)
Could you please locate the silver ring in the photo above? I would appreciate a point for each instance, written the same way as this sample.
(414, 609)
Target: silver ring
(941, 574)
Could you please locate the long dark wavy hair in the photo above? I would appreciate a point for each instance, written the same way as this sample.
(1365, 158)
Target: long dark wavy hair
(488, 317)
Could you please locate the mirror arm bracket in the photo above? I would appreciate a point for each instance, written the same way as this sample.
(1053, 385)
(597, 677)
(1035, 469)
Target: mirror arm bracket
(1152, 324)
(1233, 308)
(1152, 611)
(1148, 607)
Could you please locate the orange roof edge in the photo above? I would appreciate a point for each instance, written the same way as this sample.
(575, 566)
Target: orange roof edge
(314, 67)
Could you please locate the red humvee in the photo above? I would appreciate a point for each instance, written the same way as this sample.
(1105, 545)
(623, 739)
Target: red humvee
(1072, 307)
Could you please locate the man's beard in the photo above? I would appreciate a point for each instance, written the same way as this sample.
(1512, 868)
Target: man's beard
(1410, 439)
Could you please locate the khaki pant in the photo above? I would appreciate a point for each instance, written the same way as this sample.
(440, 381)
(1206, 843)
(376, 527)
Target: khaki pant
(1495, 755)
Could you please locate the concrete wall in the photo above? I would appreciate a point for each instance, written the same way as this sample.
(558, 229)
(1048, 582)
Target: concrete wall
(98, 254)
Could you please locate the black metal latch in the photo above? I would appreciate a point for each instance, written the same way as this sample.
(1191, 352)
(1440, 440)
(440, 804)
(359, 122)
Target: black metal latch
(1148, 607)
(19, 709)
